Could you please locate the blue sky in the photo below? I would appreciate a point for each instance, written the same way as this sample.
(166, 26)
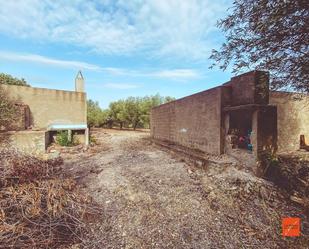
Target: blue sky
(124, 48)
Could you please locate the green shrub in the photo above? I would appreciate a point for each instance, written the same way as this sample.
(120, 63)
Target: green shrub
(268, 163)
(62, 139)
(92, 139)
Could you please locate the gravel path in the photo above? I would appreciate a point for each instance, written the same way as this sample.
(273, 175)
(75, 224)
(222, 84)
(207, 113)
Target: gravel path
(151, 199)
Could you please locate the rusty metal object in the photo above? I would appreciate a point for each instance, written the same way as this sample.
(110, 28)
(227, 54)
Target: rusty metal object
(303, 144)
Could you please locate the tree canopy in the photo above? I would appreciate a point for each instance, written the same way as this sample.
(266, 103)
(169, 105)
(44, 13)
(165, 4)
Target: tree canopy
(95, 115)
(10, 80)
(268, 35)
(132, 112)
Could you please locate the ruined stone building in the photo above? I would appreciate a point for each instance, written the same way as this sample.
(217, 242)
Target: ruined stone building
(43, 112)
(220, 119)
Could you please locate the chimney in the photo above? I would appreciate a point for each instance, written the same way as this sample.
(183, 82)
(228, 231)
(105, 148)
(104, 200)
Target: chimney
(79, 82)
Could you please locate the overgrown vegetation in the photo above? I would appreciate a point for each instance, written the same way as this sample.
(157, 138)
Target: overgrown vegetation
(133, 112)
(270, 35)
(10, 80)
(39, 208)
(291, 172)
(267, 161)
(63, 139)
(8, 109)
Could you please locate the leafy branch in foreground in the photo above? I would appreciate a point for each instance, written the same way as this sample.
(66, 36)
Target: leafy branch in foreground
(268, 35)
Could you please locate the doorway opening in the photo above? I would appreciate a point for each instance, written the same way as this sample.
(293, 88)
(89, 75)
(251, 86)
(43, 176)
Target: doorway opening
(240, 129)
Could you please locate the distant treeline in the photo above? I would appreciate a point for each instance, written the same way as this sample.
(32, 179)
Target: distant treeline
(132, 112)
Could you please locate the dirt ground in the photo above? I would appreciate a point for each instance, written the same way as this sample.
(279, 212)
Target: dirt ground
(151, 198)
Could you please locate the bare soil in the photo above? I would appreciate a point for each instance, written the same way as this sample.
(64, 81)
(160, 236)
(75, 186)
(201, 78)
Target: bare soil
(151, 198)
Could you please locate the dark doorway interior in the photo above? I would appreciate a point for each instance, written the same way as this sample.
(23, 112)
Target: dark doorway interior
(240, 127)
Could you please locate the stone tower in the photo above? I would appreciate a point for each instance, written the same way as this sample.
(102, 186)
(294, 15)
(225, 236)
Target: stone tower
(79, 82)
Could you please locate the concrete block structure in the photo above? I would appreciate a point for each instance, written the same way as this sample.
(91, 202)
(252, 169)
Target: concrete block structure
(214, 121)
(45, 111)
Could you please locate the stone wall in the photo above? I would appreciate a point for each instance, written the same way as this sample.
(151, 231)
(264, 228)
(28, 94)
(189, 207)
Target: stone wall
(30, 142)
(193, 121)
(293, 119)
(48, 106)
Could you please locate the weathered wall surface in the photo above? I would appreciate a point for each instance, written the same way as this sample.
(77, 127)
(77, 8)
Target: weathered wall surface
(30, 142)
(293, 119)
(196, 121)
(249, 88)
(264, 132)
(193, 121)
(48, 106)
(162, 121)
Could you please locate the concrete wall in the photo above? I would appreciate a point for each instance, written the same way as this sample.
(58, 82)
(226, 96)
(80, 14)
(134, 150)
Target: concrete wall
(264, 130)
(196, 121)
(162, 121)
(293, 119)
(22, 121)
(48, 106)
(193, 121)
(249, 88)
(31, 142)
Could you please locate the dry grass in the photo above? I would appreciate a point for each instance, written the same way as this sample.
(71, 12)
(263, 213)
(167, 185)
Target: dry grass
(291, 172)
(39, 208)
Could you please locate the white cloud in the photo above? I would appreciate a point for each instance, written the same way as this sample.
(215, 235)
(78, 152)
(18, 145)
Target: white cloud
(160, 28)
(48, 61)
(120, 86)
(173, 74)
(177, 74)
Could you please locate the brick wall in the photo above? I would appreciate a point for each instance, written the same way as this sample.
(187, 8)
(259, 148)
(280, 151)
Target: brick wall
(193, 121)
(196, 121)
(249, 88)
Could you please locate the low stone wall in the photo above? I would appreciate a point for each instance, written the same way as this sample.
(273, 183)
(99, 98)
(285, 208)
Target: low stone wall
(30, 142)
